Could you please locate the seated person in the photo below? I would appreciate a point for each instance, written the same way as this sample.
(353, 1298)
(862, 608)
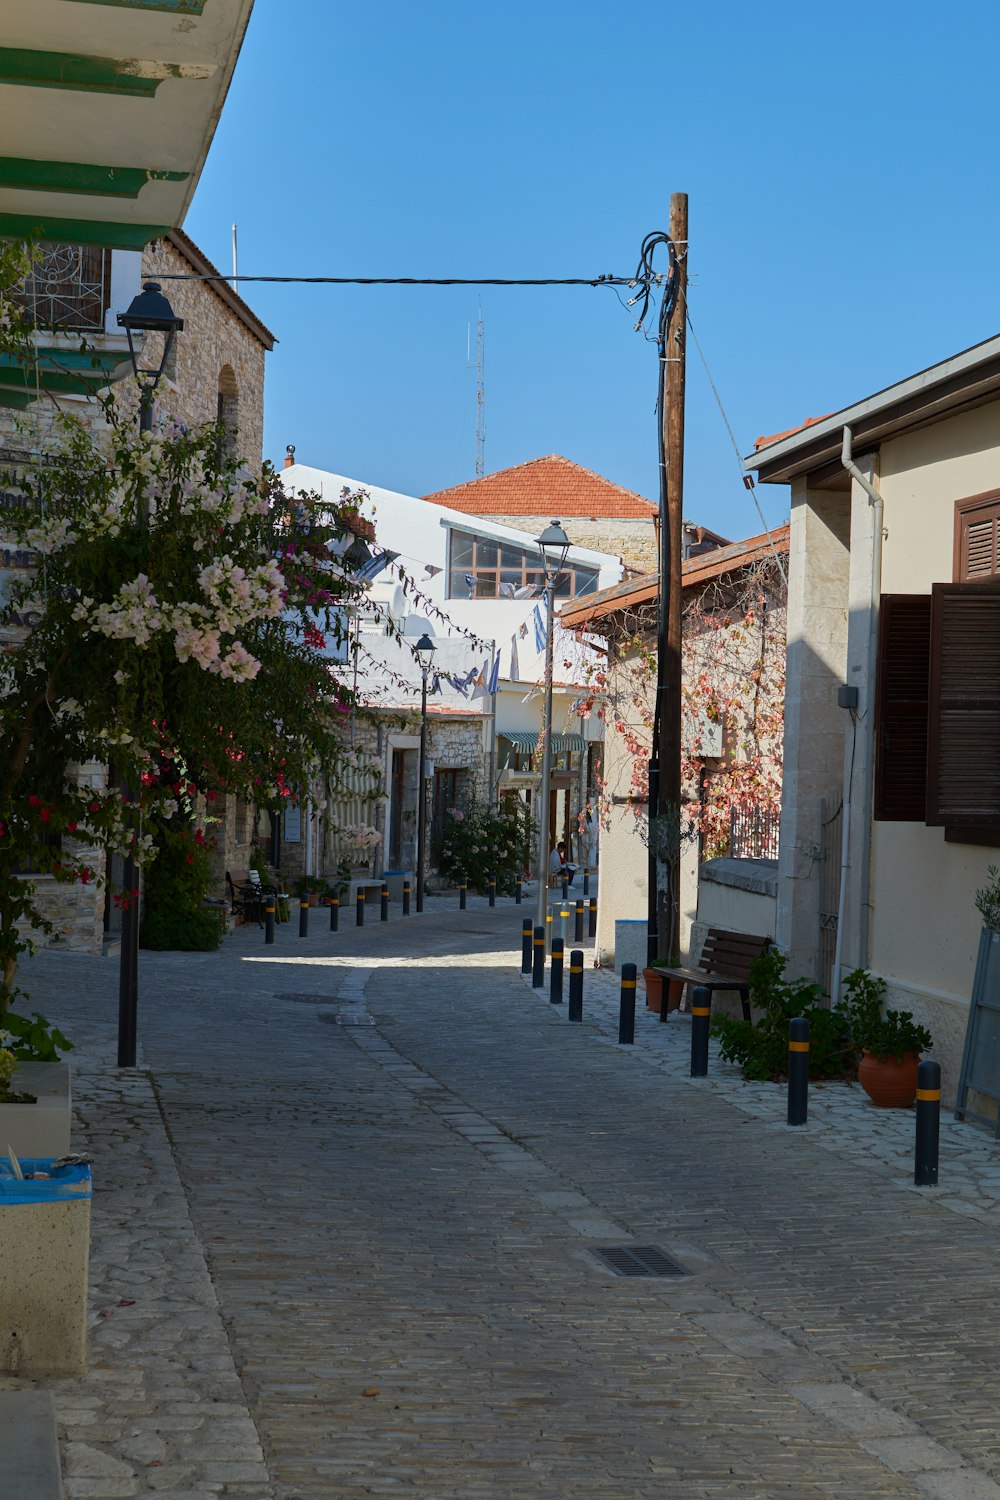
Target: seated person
(559, 866)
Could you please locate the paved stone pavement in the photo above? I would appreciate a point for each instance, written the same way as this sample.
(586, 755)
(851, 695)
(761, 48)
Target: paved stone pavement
(343, 1229)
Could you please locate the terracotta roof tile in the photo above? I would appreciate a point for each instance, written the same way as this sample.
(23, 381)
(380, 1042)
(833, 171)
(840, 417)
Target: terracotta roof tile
(775, 437)
(550, 486)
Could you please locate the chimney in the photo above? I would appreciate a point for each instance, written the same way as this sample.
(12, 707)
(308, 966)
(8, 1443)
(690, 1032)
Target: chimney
(289, 455)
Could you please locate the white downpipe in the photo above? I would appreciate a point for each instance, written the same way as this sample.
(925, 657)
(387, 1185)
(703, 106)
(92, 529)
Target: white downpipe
(877, 504)
(309, 834)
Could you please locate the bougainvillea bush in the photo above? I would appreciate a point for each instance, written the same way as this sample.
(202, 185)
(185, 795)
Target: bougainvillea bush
(481, 842)
(177, 627)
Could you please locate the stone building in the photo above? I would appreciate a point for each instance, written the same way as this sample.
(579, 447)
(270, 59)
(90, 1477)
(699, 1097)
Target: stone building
(594, 512)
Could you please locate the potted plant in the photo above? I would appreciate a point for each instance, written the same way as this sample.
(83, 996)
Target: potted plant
(35, 1097)
(656, 980)
(889, 1042)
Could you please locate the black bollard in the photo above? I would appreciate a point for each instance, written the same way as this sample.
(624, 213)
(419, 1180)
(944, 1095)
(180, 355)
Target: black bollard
(701, 1010)
(556, 976)
(360, 907)
(576, 985)
(565, 889)
(384, 910)
(303, 918)
(626, 1005)
(586, 882)
(269, 920)
(798, 1071)
(334, 913)
(493, 890)
(406, 898)
(517, 892)
(462, 889)
(925, 1161)
(538, 965)
(578, 923)
(526, 946)
(548, 929)
(592, 918)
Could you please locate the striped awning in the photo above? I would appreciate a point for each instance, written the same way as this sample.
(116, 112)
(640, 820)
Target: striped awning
(523, 739)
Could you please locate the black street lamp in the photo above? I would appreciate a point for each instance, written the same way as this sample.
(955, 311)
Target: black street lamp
(425, 652)
(553, 544)
(149, 312)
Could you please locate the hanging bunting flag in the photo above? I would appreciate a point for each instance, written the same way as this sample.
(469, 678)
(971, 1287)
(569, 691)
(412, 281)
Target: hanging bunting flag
(494, 681)
(506, 591)
(527, 591)
(435, 686)
(470, 579)
(479, 686)
(523, 631)
(515, 670)
(539, 624)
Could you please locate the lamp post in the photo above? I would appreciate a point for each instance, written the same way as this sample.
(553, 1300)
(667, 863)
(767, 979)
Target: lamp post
(149, 312)
(553, 544)
(425, 652)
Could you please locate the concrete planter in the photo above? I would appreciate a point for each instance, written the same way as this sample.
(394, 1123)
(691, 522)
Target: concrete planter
(44, 1251)
(43, 1128)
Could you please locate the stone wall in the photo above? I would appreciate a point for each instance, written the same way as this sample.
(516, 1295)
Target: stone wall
(631, 539)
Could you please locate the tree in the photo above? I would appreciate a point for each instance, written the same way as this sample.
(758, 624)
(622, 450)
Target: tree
(176, 629)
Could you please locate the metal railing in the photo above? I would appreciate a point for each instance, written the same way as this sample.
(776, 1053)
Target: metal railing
(69, 288)
(753, 833)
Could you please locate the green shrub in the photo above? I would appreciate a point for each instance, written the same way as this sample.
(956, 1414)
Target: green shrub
(883, 1033)
(174, 912)
(761, 1047)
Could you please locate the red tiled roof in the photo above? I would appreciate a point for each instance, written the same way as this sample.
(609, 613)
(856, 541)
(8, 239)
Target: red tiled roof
(775, 437)
(550, 486)
(583, 612)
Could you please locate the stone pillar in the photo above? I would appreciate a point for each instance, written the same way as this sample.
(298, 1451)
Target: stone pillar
(818, 581)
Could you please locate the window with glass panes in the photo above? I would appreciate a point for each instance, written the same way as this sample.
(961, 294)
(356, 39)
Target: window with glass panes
(497, 569)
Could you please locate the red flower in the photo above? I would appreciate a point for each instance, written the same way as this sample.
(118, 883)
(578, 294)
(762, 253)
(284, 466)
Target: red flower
(33, 801)
(44, 814)
(71, 826)
(86, 874)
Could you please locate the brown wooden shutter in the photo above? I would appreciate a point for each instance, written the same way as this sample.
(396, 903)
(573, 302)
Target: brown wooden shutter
(901, 708)
(963, 743)
(977, 538)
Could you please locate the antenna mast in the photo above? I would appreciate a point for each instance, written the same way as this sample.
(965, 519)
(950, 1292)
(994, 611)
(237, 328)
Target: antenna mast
(480, 397)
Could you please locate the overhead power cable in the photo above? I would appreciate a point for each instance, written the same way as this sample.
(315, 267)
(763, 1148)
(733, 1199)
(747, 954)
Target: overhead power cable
(604, 280)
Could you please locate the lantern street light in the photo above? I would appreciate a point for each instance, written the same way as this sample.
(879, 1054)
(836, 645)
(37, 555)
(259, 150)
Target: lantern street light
(425, 652)
(149, 312)
(553, 544)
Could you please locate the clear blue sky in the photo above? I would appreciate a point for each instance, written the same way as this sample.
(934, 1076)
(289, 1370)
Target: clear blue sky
(841, 166)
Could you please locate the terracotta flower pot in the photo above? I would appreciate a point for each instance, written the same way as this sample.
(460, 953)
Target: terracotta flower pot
(889, 1083)
(655, 982)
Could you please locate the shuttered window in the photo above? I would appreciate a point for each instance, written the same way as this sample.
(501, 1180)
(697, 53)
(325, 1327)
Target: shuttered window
(963, 743)
(901, 708)
(977, 538)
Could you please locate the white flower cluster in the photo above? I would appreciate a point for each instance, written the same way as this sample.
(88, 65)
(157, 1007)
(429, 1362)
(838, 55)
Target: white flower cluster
(235, 597)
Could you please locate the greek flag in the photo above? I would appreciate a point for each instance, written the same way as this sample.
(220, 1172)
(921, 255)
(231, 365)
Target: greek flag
(538, 620)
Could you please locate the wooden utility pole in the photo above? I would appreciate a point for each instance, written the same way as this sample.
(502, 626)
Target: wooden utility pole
(668, 789)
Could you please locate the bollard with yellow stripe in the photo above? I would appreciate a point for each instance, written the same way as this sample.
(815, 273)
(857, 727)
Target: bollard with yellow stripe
(798, 1071)
(925, 1159)
(538, 954)
(626, 1006)
(334, 913)
(575, 1011)
(701, 1014)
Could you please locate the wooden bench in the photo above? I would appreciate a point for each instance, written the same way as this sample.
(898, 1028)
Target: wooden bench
(724, 963)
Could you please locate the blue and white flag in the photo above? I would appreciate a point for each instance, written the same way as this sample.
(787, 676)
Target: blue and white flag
(494, 681)
(538, 621)
(515, 667)
(470, 579)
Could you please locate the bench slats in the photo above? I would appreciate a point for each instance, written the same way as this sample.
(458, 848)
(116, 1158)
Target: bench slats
(724, 963)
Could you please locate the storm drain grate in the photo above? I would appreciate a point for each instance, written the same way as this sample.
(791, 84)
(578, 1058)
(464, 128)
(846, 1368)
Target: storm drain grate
(639, 1260)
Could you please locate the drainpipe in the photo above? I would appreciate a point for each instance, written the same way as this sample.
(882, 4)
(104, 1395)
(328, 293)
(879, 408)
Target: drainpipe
(877, 504)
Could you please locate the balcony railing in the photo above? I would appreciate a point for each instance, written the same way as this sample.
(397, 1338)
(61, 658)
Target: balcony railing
(69, 289)
(753, 833)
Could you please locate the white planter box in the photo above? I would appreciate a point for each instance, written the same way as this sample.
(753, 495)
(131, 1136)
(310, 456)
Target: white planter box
(40, 1129)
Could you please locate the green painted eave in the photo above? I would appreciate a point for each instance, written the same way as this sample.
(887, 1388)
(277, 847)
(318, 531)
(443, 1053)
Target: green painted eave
(114, 236)
(80, 177)
(73, 70)
(74, 372)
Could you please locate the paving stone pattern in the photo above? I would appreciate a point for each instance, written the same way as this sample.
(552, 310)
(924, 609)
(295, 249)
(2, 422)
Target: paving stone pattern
(344, 1223)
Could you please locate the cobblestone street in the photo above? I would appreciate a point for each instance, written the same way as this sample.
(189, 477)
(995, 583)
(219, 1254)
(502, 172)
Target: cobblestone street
(344, 1223)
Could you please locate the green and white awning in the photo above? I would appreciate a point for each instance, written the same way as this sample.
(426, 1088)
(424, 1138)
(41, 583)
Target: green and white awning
(105, 138)
(561, 743)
